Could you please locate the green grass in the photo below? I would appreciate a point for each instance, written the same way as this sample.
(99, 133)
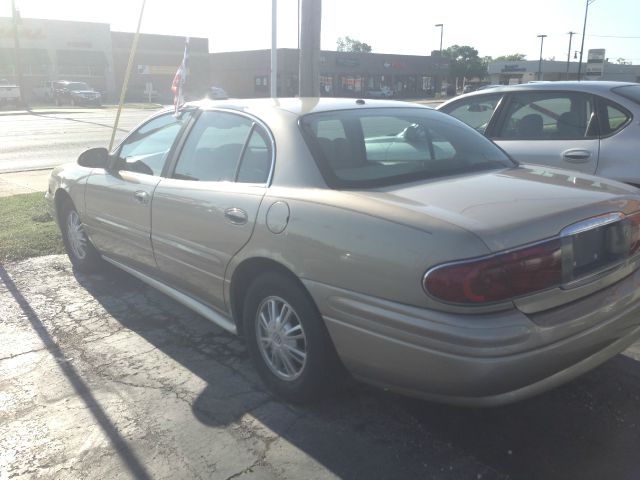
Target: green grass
(26, 228)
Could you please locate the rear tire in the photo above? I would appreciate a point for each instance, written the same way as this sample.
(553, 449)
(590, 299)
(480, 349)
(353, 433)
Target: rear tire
(288, 341)
(81, 252)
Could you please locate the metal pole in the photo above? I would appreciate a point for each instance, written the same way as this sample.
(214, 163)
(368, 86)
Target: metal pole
(540, 62)
(274, 49)
(571, 34)
(438, 79)
(584, 28)
(309, 68)
(18, 64)
(125, 83)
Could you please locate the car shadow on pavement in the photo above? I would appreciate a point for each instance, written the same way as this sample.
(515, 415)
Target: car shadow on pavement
(82, 389)
(588, 429)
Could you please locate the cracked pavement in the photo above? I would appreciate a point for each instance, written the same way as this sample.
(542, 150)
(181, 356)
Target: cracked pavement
(104, 377)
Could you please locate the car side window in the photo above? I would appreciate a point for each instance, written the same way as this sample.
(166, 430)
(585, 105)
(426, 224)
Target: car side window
(547, 116)
(255, 164)
(475, 111)
(213, 148)
(146, 150)
(616, 118)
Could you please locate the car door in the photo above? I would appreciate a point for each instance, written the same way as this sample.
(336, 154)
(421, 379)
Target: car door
(204, 211)
(118, 199)
(549, 128)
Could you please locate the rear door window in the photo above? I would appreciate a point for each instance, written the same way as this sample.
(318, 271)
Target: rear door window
(225, 147)
(546, 116)
(212, 150)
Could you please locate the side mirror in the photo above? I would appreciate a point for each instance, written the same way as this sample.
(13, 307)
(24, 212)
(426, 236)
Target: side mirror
(94, 158)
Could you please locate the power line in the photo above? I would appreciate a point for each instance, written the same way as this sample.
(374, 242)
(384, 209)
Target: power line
(610, 36)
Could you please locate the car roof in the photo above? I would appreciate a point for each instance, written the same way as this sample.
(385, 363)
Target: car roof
(594, 86)
(301, 105)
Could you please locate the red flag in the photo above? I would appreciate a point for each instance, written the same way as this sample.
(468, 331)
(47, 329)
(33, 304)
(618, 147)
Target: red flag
(177, 87)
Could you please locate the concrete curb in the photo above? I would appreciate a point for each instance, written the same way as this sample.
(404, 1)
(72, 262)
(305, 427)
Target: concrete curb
(29, 181)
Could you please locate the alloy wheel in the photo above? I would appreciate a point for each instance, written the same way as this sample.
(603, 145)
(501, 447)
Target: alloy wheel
(281, 338)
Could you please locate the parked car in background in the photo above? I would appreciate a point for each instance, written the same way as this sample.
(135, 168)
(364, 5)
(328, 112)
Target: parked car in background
(217, 93)
(45, 91)
(382, 92)
(591, 127)
(380, 236)
(9, 93)
(75, 93)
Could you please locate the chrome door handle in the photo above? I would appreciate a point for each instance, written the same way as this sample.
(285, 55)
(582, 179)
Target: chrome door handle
(576, 156)
(237, 216)
(142, 197)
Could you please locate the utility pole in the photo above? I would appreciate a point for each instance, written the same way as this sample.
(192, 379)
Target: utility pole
(571, 34)
(17, 56)
(584, 28)
(439, 64)
(309, 68)
(274, 49)
(541, 37)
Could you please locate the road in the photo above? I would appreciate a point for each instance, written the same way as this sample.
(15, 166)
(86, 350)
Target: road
(43, 140)
(104, 377)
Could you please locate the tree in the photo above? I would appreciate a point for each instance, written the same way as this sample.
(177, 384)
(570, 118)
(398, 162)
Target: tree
(464, 62)
(348, 44)
(514, 57)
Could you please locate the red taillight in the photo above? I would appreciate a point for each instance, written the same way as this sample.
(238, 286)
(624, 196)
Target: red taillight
(499, 277)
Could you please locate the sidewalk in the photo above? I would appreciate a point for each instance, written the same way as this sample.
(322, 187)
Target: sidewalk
(24, 182)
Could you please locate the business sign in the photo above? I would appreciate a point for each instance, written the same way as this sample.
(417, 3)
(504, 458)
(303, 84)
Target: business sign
(513, 68)
(595, 64)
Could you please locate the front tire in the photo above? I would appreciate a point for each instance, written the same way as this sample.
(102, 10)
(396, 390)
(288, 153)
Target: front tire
(287, 339)
(81, 252)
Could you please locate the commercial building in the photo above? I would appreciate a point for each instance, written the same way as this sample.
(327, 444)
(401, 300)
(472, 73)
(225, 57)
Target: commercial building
(56, 50)
(524, 71)
(90, 52)
(247, 74)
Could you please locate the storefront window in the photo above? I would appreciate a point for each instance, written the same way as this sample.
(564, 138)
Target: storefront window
(351, 84)
(261, 83)
(326, 85)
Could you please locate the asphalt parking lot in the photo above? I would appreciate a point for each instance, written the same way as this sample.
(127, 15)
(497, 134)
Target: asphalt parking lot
(103, 377)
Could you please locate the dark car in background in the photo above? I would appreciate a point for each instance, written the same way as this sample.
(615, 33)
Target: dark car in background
(590, 127)
(75, 93)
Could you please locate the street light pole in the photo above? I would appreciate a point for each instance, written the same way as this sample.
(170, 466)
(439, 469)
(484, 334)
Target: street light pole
(438, 80)
(541, 37)
(584, 28)
(571, 34)
(18, 60)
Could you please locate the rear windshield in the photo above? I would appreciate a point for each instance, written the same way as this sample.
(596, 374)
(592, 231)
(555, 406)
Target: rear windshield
(79, 86)
(387, 146)
(632, 92)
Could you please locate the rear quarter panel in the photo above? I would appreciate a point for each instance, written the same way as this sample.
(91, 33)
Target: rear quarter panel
(338, 246)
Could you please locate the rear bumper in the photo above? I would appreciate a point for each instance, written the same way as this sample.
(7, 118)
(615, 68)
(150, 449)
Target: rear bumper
(480, 360)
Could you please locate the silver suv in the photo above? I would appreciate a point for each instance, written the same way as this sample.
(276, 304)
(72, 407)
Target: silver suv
(591, 127)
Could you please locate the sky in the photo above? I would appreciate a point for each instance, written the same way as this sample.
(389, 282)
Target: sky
(393, 26)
